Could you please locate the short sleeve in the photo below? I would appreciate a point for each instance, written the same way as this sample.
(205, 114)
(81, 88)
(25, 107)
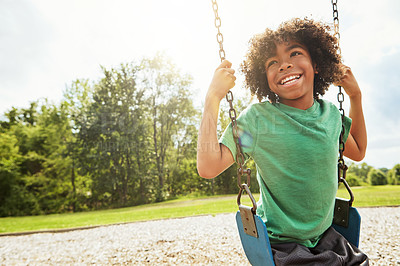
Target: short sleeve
(247, 131)
(347, 126)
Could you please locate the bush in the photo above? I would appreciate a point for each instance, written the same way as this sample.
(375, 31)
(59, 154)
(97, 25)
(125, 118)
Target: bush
(353, 180)
(377, 177)
(394, 175)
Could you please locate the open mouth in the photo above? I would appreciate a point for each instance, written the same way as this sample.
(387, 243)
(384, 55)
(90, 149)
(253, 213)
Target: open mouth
(290, 79)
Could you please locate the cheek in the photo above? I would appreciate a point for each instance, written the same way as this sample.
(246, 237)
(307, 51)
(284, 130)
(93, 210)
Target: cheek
(270, 81)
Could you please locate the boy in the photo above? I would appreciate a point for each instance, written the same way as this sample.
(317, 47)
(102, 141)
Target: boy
(293, 138)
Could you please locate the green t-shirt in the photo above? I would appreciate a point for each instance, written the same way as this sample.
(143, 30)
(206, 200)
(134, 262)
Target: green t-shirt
(296, 154)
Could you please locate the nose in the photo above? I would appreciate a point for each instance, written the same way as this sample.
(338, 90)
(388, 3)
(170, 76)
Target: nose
(285, 66)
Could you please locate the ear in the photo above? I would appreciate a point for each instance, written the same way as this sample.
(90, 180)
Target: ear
(315, 68)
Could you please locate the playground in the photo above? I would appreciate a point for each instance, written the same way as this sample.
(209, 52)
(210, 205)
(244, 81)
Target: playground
(198, 240)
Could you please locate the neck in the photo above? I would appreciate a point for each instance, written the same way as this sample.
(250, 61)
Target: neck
(299, 104)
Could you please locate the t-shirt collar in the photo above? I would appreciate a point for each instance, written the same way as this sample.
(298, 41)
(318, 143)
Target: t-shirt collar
(289, 109)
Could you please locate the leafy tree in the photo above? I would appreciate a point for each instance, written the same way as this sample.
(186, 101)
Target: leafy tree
(171, 111)
(44, 165)
(12, 117)
(360, 170)
(394, 175)
(376, 177)
(115, 137)
(384, 170)
(352, 180)
(78, 98)
(14, 197)
(127, 139)
(184, 180)
(33, 174)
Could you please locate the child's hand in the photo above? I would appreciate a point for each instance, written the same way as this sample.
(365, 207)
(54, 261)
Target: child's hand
(223, 80)
(348, 82)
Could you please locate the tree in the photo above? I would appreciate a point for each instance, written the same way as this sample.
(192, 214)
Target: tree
(35, 172)
(360, 170)
(78, 98)
(394, 175)
(115, 136)
(127, 139)
(14, 197)
(352, 180)
(46, 164)
(376, 177)
(171, 111)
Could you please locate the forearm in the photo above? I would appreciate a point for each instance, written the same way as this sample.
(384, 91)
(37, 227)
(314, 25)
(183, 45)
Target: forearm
(358, 129)
(356, 144)
(213, 158)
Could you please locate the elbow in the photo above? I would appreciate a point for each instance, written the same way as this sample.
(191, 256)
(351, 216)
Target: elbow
(363, 151)
(205, 172)
(359, 156)
(206, 176)
(357, 159)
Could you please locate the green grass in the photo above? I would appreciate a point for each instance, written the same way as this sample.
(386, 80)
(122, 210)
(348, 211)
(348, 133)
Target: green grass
(170, 209)
(364, 197)
(373, 196)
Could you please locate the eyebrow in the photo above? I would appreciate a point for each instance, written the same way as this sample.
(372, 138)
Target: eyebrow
(294, 46)
(290, 47)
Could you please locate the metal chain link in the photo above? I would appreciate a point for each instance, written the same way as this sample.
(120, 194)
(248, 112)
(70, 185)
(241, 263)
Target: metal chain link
(232, 112)
(342, 167)
(336, 23)
(220, 37)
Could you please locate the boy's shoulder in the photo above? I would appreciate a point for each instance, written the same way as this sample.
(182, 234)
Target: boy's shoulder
(325, 104)
(256, 109)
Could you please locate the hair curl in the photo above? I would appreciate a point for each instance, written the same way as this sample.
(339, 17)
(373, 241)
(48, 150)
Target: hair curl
(315, 36)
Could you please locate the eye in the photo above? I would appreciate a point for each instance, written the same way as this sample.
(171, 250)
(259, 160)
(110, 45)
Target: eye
(271, 63)
(295, 53)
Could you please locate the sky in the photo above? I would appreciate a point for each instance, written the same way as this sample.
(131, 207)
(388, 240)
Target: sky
(46, 44)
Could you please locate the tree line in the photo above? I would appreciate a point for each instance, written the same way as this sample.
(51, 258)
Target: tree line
(129, 138)
(364, 174)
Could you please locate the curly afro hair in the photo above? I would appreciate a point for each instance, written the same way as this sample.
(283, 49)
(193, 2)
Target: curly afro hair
(315, 36)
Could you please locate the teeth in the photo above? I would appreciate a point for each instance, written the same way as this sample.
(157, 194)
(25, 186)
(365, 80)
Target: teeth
(290, 79)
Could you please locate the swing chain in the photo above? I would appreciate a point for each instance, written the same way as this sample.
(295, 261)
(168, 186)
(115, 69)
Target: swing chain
(232, 112)
(217, 23)
(342, 167)
(336, 24)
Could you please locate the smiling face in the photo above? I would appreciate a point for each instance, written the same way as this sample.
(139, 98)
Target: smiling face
(290, 74)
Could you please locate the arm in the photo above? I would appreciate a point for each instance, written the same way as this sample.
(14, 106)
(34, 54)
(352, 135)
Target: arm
(213, 157)
(356, 144)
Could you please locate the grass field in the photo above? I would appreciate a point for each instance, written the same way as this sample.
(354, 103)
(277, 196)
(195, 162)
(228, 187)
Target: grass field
(364, 197)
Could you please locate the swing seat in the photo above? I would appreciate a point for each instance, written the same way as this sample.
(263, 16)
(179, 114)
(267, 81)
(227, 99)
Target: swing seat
(258, 249)
(352, 231)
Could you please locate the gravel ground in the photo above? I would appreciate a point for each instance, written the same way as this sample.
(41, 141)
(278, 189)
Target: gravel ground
(201, 240)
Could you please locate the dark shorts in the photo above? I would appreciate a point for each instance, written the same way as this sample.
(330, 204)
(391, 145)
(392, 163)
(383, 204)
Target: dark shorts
(332, 249)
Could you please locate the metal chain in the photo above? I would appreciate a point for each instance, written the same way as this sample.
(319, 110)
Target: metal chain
(220, 37)
(336, 23)
(232, 112)
(342, 167)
